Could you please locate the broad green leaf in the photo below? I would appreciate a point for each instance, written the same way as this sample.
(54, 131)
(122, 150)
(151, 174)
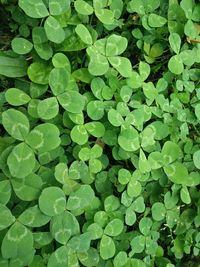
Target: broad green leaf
(39, 35)
(111, 203)
(63, 226)
(150, 91)
(5, 189)
(21, 161)
(83, 8)
(36, 9)
(106, 16)
(145, 225)
(89, 258)
(115, 45)
(81, 198)
(177, 173)
(44, 137)
(175, 65)
(126, 93)
(187, 6)
(48, 108)
(38, 72)
(12, 66)
(98, 65)
(175, 42)
(95, 128)
(95, 230)
(122, 65)
(28, 188)
(79, 134)
(44, 50)
(95, 165)
(107, 247)
(196, 159)
(59, 80)
(16, 97)
(54, 31)
(158, 211)
(124, 176)
(135, 81)
(95, 109)
(185, 195)
(21, 46)
(155, 20)
(190, 29)
(138, 243)
(6, 218)
(15, 123)
(144, 70)
(52, 201)
(60, 60)
(18, 243)
(115, 118)
(80, 243)
(61, 172)
(72, 101)
(129, 140)
(114, 227)
(59, 257)
(120, 259)
(84, 34)
(138, 205)
(58, 7)
(33, 217)
(171, 152)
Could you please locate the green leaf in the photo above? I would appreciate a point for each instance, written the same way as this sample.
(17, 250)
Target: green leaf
(98, 65)
(84, 34)
(72, 101)
(33, 217)
(185, 195)
(58, 80)
(6, 218)
(5, 189)
(145, 225)
(79, 134)
(122, 65)
(95, 128)
(21, 161)
(21, 46)
(36, 9)
(187, 6)
(158, 211)
(48, 108)
(83, 8)
(59, 257)
(107, 247)
(115, 45)
(175, 65)
(106, 16)
(58, 7)
(120, 259)
(44, 137)
(138, 244)
(155, 20)
(135, 81)
(63, 226)
(80, 243)
(16, 97)
(190, 29)
(54, 31)
(13, 67)
(15, 123)
(138, 205)
(81, 198)
(177, 173)
(28, 188)
(144, 70)
(61, 172)
(114, 227)
(196, 159)
(95, 230)
(52, 201)
(18, 244)
(95, 109)
(38, 72)
(115, 118)
(129, 140)
(175, 42)
(171, 152)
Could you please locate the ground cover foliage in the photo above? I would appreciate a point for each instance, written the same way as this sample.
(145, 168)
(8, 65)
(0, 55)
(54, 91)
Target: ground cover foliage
(99, 146)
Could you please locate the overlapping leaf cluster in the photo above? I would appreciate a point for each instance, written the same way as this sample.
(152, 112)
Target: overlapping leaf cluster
(100, 146)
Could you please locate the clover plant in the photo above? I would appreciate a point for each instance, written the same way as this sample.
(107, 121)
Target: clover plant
(99, 146)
